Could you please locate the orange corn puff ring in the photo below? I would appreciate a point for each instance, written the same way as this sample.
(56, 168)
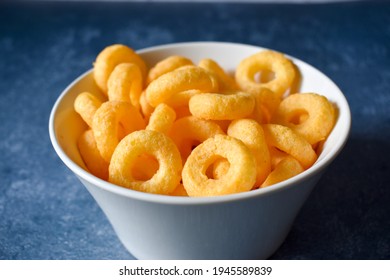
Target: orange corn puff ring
(162, 118)
(225, 82)
(86, 105)
(267, 61)
(91, 155)
(189, 131)
(251, 133)
(276, 156)
(240, 177)
(296, 84)
(107, 122)
(309, 114)
(267, 102)
(168, 175)
(285, 169)
(167, 65)
(215, 106)
(288, 141)
(183, 79)
(109, 58)
(182, 98)
(146, 109)
(125, 83)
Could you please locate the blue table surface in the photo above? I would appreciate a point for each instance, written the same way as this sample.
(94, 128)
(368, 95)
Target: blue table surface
(45, 212)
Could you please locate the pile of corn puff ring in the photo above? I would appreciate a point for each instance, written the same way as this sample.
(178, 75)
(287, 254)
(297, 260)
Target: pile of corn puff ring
(187, 129)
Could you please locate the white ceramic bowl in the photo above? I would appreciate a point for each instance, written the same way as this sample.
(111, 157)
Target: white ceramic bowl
(250, 225)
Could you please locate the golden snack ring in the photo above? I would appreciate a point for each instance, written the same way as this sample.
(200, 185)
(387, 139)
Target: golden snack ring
(240, 177)
(146, 109)
(182, 98)
(86, 105)
(125, 84)
(108, 120)
(190, 131)
(152, 143)
(288, 141)
(297, 83)
(276, 156)
(268, 61)
(183, 79)
(285, 169)
(309, 114)
(226, 106)
(267, 102)
(252, 135)
(91, 155)
(225, 82)
(109, 58)
(162, 118)
(167, 65)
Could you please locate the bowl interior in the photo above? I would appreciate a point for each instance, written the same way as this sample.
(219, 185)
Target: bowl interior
(66, 125)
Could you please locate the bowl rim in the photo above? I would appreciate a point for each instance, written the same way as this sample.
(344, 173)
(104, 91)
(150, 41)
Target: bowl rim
(180, 200)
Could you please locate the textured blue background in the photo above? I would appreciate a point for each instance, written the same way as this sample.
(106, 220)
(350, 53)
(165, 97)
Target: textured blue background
(45, 213)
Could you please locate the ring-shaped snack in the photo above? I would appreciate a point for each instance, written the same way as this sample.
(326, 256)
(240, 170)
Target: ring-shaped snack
(276, 156)
(285, 139)
(225, 82)
(125, 84)
(182, 98)
(109, 120)
(224, 106)
(183, 79)
(86, 105)
(267, 103)
(309, 114)
(285, 169)
(91, 155)
(240, 177)
(109, 58)
(167, 65)
(190, 131)
(162, 118)
(268, 61)
(146, 109)
(252, 135)
(168, 175)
